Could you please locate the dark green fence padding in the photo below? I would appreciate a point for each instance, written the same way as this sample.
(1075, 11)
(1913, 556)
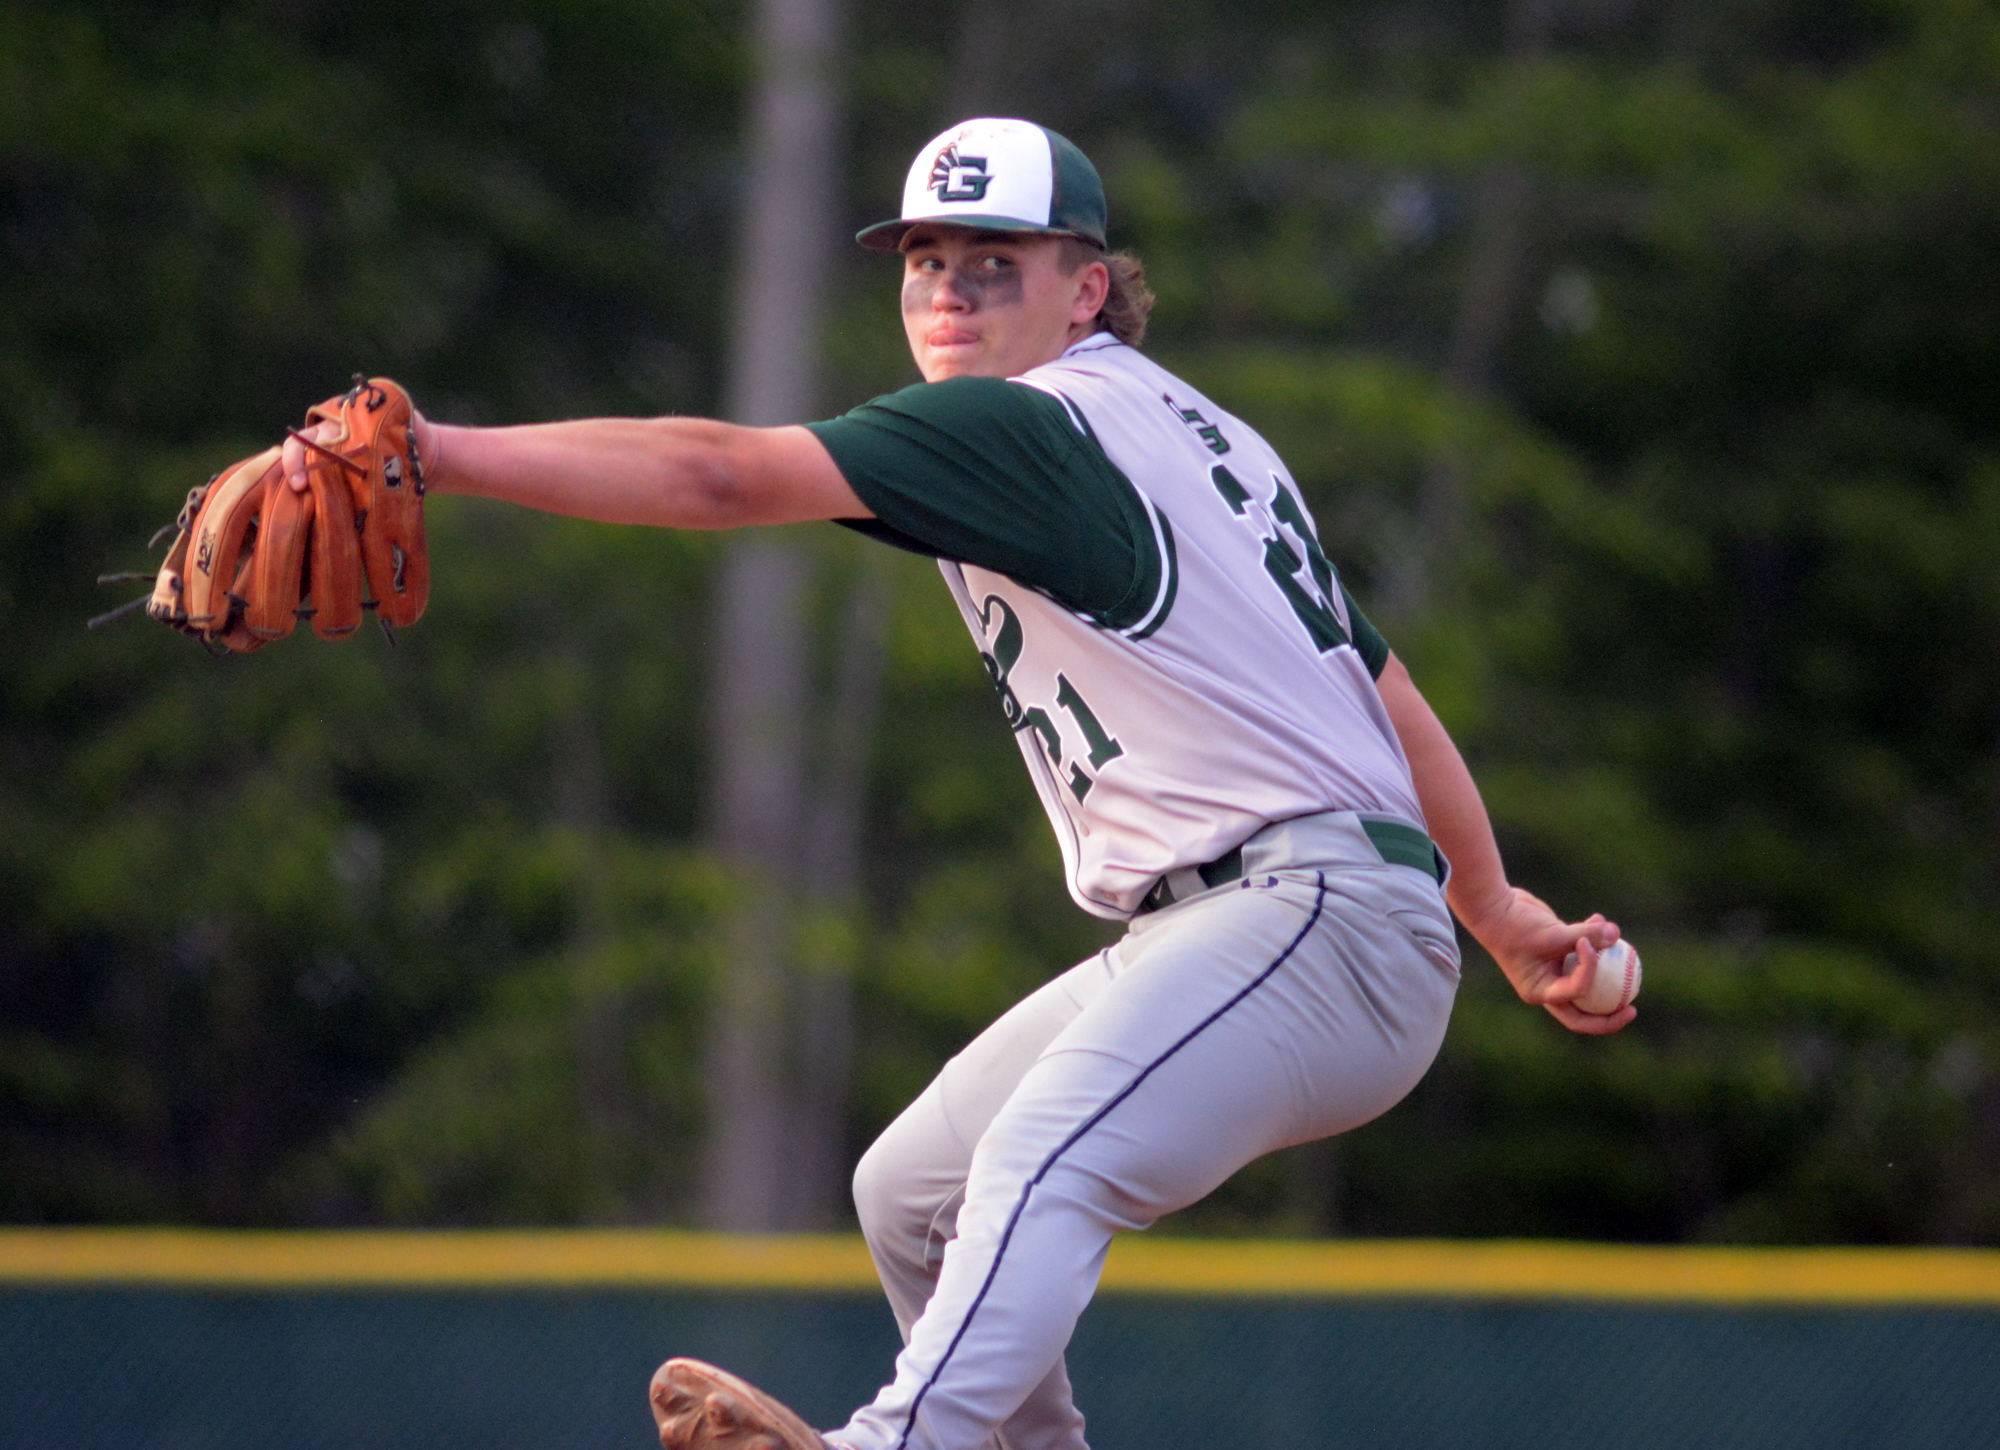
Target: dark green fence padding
(93, 1368)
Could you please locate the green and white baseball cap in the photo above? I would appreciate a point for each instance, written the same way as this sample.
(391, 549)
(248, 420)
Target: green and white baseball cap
(999, 174)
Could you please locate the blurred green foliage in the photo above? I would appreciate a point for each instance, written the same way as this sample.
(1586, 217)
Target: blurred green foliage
(341, 934)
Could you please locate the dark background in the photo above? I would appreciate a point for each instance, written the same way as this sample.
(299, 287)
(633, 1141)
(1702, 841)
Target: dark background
(1637, 359)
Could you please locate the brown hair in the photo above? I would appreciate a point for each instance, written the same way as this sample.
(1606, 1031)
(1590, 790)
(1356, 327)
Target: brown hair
(1129, 300)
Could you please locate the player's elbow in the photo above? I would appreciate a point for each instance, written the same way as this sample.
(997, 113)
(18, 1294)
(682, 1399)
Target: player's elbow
(722, 476)
(711, 484)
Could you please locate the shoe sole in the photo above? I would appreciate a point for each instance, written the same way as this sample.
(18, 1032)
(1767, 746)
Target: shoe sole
(700, 1407)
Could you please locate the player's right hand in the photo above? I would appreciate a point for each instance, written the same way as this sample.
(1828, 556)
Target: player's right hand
(1532, 945)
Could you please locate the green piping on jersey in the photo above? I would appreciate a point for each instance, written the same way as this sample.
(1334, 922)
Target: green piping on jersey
(1162, 561)
(1173, 585)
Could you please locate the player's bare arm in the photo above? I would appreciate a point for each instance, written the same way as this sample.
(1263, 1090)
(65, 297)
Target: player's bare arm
(685, 473)
(1528, 940)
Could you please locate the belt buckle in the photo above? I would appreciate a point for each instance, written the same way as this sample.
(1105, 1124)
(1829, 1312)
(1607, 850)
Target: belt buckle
(1226, 867)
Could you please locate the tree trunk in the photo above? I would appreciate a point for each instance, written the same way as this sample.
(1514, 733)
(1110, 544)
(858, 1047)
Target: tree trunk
(582, 800)
(832, 878)
(760, 673)
(759, 698)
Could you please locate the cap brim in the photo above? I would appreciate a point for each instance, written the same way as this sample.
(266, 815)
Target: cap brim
(888, 236)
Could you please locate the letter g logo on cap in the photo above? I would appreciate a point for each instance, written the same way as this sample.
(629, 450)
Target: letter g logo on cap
(959, 178)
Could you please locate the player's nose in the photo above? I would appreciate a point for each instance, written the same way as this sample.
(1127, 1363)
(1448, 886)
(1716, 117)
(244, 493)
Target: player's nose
(955, 292)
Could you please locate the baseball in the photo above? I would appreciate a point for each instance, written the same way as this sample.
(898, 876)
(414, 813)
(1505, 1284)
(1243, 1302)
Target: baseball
(1617, 980)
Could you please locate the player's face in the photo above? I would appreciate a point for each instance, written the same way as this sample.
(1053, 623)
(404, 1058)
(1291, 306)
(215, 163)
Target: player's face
(992, 304)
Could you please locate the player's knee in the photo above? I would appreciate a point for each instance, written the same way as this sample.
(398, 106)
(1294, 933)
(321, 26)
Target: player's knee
(900, 1197)
(875, 1196)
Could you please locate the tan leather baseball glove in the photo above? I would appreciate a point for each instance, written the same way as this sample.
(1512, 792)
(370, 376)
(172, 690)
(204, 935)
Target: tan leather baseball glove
(251, 555)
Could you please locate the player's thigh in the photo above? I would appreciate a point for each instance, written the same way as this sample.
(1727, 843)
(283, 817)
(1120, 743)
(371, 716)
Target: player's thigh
(914, 1173)
(1257, 1019)
(977, 1082)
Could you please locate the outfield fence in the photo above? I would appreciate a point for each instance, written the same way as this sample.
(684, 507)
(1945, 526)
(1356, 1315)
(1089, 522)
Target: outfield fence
(171, 1340)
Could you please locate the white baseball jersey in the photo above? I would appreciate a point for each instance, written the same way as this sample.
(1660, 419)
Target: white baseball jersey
(1176, 656)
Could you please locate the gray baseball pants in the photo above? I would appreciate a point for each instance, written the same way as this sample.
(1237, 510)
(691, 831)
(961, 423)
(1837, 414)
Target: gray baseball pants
(1298, 1002)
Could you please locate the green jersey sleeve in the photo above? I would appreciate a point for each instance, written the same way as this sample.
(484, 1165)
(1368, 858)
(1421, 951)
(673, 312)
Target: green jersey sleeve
(1002, 475)
(1367, 639)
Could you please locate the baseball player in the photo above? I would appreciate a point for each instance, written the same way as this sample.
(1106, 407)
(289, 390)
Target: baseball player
(1233, 760)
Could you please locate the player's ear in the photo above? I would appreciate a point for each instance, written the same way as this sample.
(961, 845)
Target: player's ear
(1093, 285)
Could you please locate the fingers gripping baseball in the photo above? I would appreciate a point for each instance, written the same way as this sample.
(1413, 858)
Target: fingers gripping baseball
(1594, 994)
(324, 527)
(1552, 963)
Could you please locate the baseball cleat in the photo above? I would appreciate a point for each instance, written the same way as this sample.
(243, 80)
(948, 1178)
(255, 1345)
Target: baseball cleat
(698, 1406)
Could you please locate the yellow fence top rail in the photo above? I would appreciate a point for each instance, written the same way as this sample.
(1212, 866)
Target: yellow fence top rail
(641, 1258)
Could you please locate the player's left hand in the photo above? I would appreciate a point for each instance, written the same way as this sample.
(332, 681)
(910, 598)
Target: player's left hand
(1532, 944)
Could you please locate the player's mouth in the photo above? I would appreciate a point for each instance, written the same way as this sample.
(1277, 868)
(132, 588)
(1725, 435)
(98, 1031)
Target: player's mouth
(941, 337)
